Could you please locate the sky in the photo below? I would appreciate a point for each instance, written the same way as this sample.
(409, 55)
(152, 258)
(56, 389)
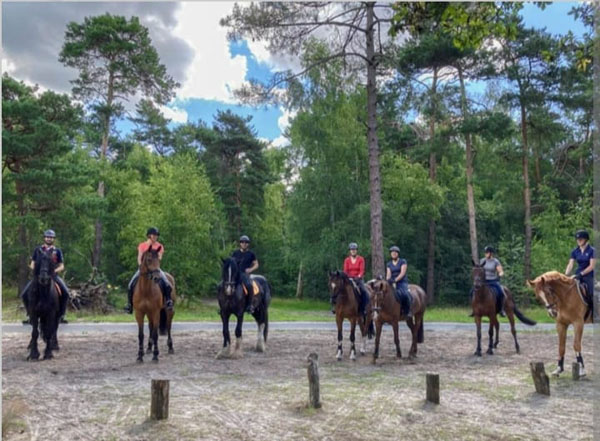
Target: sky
(192, 45)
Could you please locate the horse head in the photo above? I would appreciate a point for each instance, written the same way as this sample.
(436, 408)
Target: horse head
(379, 289)
(544, 289)
(230, 276)
(151, 263)
(478, 276)
(44, 269)
(337, 284)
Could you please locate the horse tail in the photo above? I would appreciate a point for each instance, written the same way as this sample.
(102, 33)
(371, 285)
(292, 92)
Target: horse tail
(370, 330)
(524, 319)
(162, 324)
(421, 333)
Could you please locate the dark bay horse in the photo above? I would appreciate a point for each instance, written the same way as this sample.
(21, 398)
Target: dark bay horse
(564, 303)
(346, 305)
(484, 305)
(233, 300)
(386, 309)
(148, 302)
(43, 307)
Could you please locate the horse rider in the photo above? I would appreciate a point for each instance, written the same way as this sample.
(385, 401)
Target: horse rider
(57, 258)
(354, 267)
(493, 272)
(585, 256)
(247, 263)
(165, 286)
(395, 273)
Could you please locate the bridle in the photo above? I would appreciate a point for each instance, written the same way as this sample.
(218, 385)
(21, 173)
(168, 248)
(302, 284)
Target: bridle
(337, 285)
(230, 283)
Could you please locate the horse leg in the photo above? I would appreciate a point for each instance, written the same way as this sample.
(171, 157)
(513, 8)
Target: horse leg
(226, 350)
(497, 328)
(378, 326)
(513, 329)
(169, 339)
(562, 340)
(577, 346)
(238, 353)
(47, 328)
(478, 325)
(34, 353)
(154, 334)
(339, 320)
(493, 321)
(396, 339)
(414, 330)
(260, 340)
(352, 335)
(139, 316)
(150, 334)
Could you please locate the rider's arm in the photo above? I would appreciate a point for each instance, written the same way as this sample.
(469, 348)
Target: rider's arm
(60, 267)
(590, 268)
(570, 266)
(31, 264)
(253, 267)
(139, 259)
(388, 273)
(346, 265)
(500, 270)
(160, 253)
(361, 268)
(402, 272)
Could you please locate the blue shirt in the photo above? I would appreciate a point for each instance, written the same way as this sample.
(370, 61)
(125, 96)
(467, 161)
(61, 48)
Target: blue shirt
(395, 269)
(583, 258)
(55, 253)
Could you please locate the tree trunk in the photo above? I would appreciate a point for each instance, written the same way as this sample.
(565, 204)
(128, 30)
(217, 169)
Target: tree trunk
(469, 170)
(97, 251)
(23, 259)
(526, 196)
(432, 177)
(299, 285)
(377, 263)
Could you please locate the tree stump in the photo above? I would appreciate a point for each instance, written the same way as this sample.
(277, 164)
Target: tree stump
(159, 407)
(540, 379)
(314, 399)
(576, 371)
(433, 388)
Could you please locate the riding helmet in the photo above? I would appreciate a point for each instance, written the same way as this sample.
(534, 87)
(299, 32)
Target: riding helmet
(353, 246)
(49, 233)
(489, 249)
(245, 238)
(395, 248)
(582, 234)
(152, 230)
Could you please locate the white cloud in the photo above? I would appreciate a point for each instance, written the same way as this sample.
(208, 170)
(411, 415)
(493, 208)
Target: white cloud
(280, 141)
(7, 66)
(213, 73)
(175, 114)
(284, 120)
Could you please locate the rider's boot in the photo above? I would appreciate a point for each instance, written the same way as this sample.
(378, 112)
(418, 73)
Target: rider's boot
(129, 307)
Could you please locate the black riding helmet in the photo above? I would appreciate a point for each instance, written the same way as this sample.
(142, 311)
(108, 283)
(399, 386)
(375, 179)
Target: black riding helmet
(152, 230)
(489, 249)
(245, 238)
(582, 234)
(49, 233)
(395, 248)
(353, 246)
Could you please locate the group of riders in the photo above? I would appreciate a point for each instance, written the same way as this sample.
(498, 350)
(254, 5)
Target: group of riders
(354, 266)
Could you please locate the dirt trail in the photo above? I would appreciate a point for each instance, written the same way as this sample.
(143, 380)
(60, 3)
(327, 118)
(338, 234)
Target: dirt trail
(94, 390)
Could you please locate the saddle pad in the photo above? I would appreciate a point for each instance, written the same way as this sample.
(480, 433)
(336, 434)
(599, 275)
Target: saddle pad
(255, 288)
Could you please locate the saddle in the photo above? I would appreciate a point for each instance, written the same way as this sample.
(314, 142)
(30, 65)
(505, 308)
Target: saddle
(397, 295)
(586, 297)
(58, 290)
(356, 290)
(255, 288)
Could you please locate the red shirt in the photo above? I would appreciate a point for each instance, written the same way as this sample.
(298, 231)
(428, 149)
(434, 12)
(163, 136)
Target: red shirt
(145, 246)
(356, 269)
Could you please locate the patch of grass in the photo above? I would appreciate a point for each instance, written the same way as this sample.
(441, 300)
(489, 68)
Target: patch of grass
(461, 315)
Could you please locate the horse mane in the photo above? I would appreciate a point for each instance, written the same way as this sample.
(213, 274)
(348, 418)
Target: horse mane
(554, 276)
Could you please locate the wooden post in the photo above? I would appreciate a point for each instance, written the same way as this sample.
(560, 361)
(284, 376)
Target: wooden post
(314, 399)
(433, 388)
(159, 407)
(299, 293)
(575, 371)
(540, 379)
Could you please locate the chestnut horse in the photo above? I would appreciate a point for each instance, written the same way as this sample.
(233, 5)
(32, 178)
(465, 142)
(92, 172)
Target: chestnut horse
(386, 309)
(484, 305)
(148, 302)
(564, 303)
(346, 305)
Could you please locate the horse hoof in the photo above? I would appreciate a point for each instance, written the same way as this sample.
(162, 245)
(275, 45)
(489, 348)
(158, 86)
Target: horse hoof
(489, 352)
(140, 360)
(518, 350)
(477, 353)
(155, 359)
(353, 357)
(495, 345)
(33, 357)
(48, 357)
(171, 351)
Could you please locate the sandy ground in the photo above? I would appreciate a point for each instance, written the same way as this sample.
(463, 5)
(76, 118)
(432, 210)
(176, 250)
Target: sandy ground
(95, 390)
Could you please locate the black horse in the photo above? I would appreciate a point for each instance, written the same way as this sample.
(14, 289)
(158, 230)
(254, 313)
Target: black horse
(43, 307)
(233, 300)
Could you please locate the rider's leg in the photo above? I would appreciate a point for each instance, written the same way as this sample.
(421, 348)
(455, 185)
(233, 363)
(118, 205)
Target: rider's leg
(364, 298)
(499, 298)
(166, 288)
(249, 289)
(63, 299)
(130, 287)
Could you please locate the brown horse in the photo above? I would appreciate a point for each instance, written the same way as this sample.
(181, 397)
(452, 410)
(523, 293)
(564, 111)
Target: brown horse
(148, 302)
(484, 305)
(564, 303)
(347, 307)
(386, 309)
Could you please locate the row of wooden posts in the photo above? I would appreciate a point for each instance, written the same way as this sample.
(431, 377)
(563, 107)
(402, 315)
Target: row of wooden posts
(159, 406)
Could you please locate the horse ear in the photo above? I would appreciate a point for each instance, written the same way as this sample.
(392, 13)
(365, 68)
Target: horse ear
(337, 272)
